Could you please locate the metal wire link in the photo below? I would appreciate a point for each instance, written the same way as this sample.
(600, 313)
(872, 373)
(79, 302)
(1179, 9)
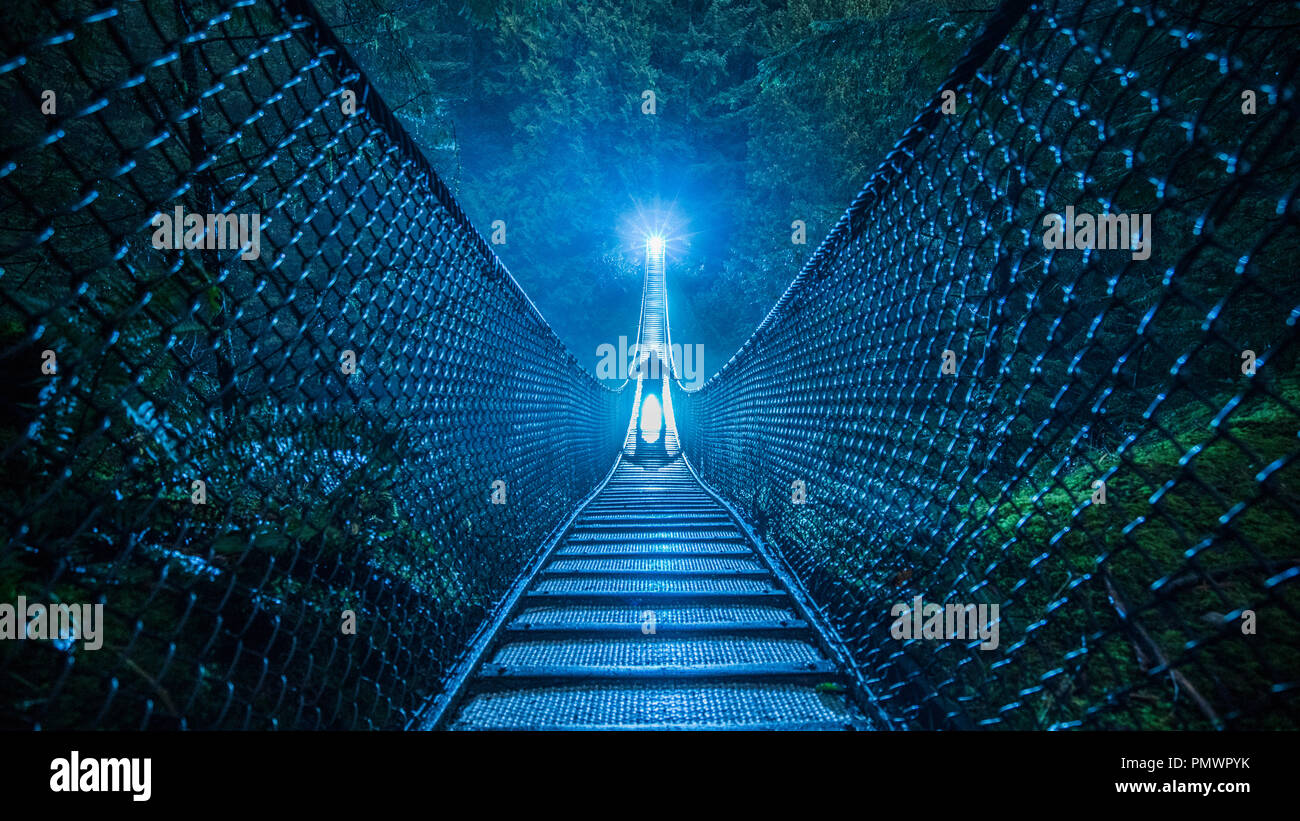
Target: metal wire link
(1102, 445)
(234, 448)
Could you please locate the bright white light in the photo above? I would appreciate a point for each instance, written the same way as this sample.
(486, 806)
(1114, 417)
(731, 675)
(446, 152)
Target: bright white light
(652, 419)
(655, 244)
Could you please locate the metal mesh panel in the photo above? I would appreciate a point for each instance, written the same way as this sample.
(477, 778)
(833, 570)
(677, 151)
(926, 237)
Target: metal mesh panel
(663, 615)
(979, 482)
(650, 585)
(653, 565)
(720, 706)
(687, 651)
(649, 533)
(324, 490)
(651, 548)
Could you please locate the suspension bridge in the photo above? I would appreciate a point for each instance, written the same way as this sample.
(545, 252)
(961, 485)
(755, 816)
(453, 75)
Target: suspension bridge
(351, 478)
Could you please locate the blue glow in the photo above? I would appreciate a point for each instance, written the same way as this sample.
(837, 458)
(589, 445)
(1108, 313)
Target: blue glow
(652, 419)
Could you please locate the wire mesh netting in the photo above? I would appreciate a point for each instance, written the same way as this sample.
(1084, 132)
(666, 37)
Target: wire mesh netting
(981, 400)
(262, 377)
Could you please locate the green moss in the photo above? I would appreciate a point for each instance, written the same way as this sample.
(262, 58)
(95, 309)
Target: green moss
(1170, 519)
(1188, 536)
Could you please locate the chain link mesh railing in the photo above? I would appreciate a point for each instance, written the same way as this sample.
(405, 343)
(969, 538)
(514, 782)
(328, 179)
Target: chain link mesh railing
(1100, 442)
(347, 383)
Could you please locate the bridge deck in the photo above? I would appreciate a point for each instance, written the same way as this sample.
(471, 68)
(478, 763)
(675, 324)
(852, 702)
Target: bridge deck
(655, 611)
